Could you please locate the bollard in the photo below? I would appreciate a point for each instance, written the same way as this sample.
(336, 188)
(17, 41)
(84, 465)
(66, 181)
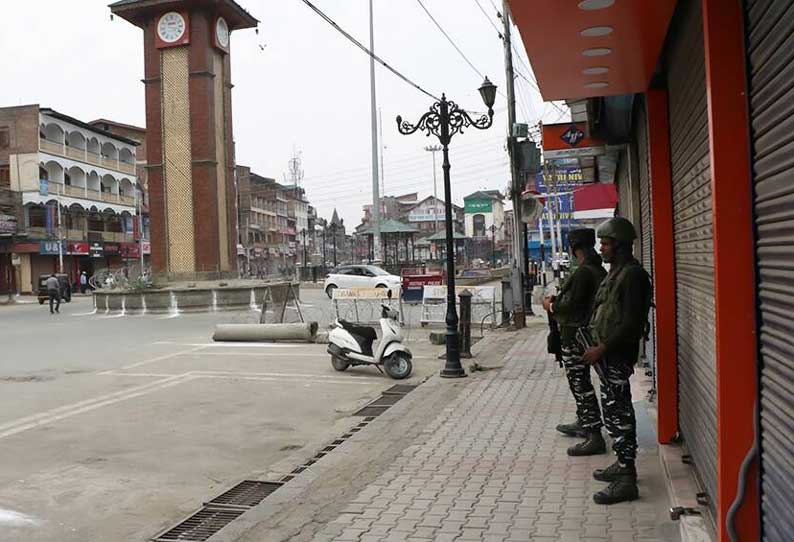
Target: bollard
(465, 323)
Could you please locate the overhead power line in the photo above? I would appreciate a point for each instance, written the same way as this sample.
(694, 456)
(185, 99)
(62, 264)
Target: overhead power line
(473, 67)
(358, 44)
(498, 31)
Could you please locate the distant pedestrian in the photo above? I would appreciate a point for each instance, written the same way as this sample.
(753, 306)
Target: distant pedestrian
(54, 292)
(83, 282)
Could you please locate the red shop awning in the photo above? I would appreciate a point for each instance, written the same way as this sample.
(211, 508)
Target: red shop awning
(595, 196)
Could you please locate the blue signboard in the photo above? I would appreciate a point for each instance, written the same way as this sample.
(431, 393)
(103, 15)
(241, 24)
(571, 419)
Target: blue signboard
(51, 248)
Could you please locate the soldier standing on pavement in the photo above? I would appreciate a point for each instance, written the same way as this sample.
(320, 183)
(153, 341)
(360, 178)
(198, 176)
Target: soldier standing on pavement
(571, 309)
(618, 323)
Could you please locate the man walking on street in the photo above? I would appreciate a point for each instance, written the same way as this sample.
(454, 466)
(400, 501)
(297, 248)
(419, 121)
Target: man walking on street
(571, 309)
(83, 282)
(619, 322)
(54, 292)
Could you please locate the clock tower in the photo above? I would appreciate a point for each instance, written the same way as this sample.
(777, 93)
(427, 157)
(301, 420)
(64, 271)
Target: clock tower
(190, 150)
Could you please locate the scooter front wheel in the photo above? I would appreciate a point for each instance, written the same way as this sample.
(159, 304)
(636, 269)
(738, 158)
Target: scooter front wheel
(339, 364)
(398, 366)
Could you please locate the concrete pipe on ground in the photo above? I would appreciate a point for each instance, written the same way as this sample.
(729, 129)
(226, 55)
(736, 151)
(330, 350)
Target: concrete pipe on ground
(265, 332)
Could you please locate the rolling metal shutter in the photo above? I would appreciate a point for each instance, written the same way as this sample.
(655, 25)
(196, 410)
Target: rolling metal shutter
(646, 221)
(694, 265)
(770, 48)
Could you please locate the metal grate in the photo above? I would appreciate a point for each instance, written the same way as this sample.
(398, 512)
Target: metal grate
(246, 494)
(399, 389)
(386, 400)
(370, 410)
(201, 525)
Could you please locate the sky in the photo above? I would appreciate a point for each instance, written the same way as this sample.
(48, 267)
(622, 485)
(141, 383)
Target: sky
(299, 86)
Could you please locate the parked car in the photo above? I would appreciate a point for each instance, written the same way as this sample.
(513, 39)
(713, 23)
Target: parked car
(360, 276)
(63, 282)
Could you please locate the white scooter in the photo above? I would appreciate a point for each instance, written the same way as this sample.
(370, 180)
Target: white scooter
(351, 344)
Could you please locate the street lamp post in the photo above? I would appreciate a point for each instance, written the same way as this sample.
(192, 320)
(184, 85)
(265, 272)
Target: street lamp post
(443, 120)
(333, 239)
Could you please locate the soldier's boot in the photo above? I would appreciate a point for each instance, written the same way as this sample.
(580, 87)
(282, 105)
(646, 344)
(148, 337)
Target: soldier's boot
(615, 471)
(622, 489)
(593, 445)
(574, 429)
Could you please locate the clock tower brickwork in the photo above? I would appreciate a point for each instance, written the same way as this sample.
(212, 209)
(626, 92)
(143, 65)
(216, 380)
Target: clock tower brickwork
(190, 149)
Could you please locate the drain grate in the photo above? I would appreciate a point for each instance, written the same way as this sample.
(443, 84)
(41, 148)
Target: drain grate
(399, 389)
(246, 494)
(386, 400)
(370, 410)
(201, 525)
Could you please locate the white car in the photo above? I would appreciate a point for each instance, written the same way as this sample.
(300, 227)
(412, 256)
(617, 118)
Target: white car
(360, 276)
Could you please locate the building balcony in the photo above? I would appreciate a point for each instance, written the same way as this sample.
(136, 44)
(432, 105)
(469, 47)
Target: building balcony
(86, 156)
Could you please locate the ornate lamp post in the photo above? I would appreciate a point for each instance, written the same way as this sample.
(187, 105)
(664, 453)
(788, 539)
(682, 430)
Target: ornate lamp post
(444, 120)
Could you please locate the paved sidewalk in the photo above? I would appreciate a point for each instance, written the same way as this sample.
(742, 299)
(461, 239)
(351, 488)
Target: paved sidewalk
(491, 467)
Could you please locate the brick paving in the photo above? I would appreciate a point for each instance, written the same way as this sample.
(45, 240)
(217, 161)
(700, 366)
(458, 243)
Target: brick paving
(492, 468)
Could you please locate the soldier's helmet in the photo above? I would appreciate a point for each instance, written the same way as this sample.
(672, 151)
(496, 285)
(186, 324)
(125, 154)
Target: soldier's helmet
(581, 238)
(618, 228)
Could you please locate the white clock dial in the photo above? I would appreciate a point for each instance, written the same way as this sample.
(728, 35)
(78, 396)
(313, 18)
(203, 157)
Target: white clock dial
(222, 32)
(171, 27)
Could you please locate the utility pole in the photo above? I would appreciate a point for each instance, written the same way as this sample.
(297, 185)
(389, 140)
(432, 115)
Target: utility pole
(374, 112)
(515, 189)
(434, 149)
(382, 152)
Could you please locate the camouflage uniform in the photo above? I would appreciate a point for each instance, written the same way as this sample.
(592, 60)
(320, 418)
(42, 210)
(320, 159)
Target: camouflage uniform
(618, 324)
(571, 310)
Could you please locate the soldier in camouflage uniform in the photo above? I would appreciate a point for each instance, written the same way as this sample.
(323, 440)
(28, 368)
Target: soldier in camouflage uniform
(571, 309)
(618, 323)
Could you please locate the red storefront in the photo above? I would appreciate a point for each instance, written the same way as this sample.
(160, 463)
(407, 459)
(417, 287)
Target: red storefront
(698, 97)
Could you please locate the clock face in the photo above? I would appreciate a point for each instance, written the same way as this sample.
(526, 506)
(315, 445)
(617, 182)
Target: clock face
(222, 32)
(171, 27)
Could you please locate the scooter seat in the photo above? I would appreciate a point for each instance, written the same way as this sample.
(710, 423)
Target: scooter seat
(364, 335)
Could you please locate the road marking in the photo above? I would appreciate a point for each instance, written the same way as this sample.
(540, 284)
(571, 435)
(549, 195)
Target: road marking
(31, 422)
(265, 354)
(296, 378)
(235, 345)
(155, 360)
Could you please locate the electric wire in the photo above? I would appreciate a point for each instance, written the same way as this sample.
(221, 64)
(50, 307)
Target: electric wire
(358, 44)
(498, 31)
(451, 41)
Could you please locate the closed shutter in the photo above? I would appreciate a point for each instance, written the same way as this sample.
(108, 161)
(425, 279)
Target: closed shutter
(646, 221)
(40, 265)
(771, 66)
(624, 186)
(694, 265)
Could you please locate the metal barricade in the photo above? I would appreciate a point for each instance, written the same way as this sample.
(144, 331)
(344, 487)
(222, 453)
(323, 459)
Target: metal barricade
(434, 304)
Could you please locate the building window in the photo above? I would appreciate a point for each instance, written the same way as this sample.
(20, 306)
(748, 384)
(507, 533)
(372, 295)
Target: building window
(37, 217)
(479, 225)
(5, 138)
(5, 176)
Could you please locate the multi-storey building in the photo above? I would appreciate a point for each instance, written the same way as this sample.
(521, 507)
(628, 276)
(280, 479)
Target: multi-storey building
(428, 216)
(77, 191)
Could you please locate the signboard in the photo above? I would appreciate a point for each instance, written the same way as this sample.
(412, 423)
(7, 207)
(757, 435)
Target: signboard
(567, 180)
(8, 224)
(51, 248)
(478, 206)
(365, 293)
(16, 260)
(129, 250)
(77, 249)
(112, 249)
(427, 215)
(96, 250)
(240, 250)
(569, 140)
(44, 187)
(147, 247)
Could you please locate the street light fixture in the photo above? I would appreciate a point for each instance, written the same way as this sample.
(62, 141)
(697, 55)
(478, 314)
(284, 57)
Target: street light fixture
(443, 120)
